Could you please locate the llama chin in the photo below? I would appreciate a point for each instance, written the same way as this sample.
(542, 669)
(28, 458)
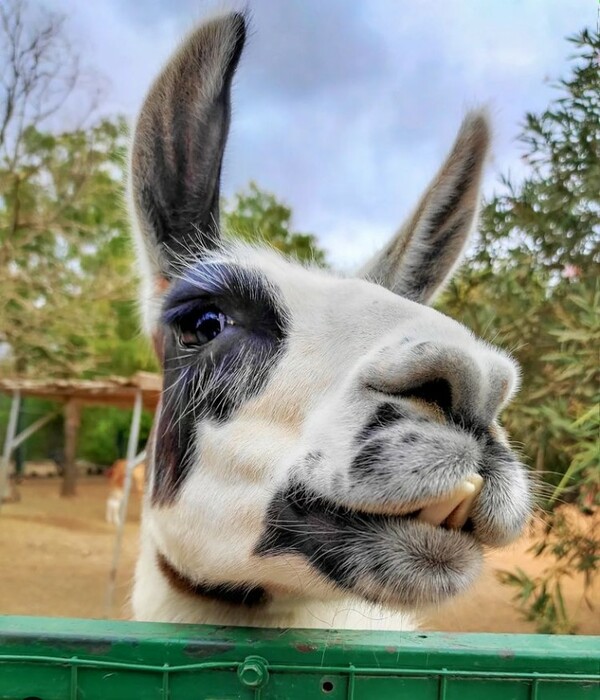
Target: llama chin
(326, 451)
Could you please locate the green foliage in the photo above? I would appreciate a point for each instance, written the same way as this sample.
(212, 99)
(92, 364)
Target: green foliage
(572, 544)
(104, 433)
(553, 331)
(102, 436)
(552, 217)
(65, 256)
(257, 216)
(532, 287)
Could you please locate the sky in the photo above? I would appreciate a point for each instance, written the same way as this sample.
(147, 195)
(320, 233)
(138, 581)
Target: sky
(345, 108)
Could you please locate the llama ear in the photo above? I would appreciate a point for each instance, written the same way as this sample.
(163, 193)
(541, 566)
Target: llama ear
(417, 261)
(178, 147)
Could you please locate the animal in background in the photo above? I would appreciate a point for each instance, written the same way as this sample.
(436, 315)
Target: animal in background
(116, 479)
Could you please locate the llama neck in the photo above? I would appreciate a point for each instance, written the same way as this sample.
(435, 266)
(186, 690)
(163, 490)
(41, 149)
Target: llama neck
(157, 599)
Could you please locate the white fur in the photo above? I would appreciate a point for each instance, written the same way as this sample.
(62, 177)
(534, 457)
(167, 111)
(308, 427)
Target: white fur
(351, 345)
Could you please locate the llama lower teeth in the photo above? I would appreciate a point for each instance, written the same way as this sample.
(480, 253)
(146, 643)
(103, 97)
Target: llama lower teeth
(454, 510)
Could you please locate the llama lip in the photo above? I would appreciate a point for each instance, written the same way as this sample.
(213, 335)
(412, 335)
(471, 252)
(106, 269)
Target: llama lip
(450, 510)
(453, 510)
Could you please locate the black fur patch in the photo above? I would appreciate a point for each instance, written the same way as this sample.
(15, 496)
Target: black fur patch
(247, 596)
(432, 263)
(299, 522)
(439, 220)
(386, 414)
(495, 452)
(179, 145)
(213, 380)
(478, 431)
(368, 458)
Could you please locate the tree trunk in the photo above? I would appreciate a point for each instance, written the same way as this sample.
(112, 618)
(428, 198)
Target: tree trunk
(69, 483)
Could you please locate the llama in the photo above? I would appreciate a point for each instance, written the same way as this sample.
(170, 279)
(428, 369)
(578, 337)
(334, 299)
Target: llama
(116, 479)
(326, 452)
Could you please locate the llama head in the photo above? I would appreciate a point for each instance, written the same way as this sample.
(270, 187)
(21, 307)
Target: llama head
(318, 436)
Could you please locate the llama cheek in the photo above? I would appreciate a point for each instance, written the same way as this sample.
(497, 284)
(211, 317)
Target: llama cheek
(246, 449)
(193, 540)
(284, 401)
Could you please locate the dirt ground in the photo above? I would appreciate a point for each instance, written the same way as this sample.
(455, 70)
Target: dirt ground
(56, 555)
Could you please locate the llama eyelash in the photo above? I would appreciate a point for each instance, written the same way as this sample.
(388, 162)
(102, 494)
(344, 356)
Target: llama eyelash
(302, 445)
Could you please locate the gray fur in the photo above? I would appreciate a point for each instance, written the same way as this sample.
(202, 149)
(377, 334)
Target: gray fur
(424, 252)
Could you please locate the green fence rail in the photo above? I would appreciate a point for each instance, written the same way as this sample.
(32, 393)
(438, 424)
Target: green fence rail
(60, 659)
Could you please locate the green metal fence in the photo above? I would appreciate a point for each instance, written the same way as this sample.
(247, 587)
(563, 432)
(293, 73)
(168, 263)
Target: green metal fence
(58, 659)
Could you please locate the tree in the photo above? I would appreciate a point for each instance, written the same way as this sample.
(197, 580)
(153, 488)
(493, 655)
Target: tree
(62, 221)
(532, 281)
(258, 216)
(63, 233)
(39, 71)
(551, 219)
(532, 287)
(67, 288)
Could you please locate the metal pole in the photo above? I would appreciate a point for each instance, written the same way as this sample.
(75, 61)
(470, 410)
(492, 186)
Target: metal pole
(134, 433)
(11, 429)
(131, 465)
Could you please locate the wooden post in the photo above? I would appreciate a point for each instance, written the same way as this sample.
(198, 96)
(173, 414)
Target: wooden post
(69, 482)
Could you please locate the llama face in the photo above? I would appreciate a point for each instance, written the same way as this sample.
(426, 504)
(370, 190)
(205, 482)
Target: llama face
(318, 436)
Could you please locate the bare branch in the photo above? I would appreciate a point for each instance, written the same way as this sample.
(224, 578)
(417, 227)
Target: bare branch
(39, 71)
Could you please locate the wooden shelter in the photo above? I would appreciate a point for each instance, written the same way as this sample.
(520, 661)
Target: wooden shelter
(142, 390)
(112, 391)
(122, 392)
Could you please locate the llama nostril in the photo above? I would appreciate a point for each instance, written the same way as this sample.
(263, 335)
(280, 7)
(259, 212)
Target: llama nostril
(435, 391)
(447, 378)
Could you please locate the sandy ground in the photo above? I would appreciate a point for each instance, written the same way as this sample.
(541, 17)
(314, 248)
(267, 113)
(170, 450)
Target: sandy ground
(56, 555)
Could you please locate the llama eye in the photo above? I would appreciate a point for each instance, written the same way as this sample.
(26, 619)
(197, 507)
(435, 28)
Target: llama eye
(205, 328)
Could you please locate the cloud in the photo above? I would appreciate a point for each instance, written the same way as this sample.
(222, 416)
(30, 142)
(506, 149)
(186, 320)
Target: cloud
(345, 110)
